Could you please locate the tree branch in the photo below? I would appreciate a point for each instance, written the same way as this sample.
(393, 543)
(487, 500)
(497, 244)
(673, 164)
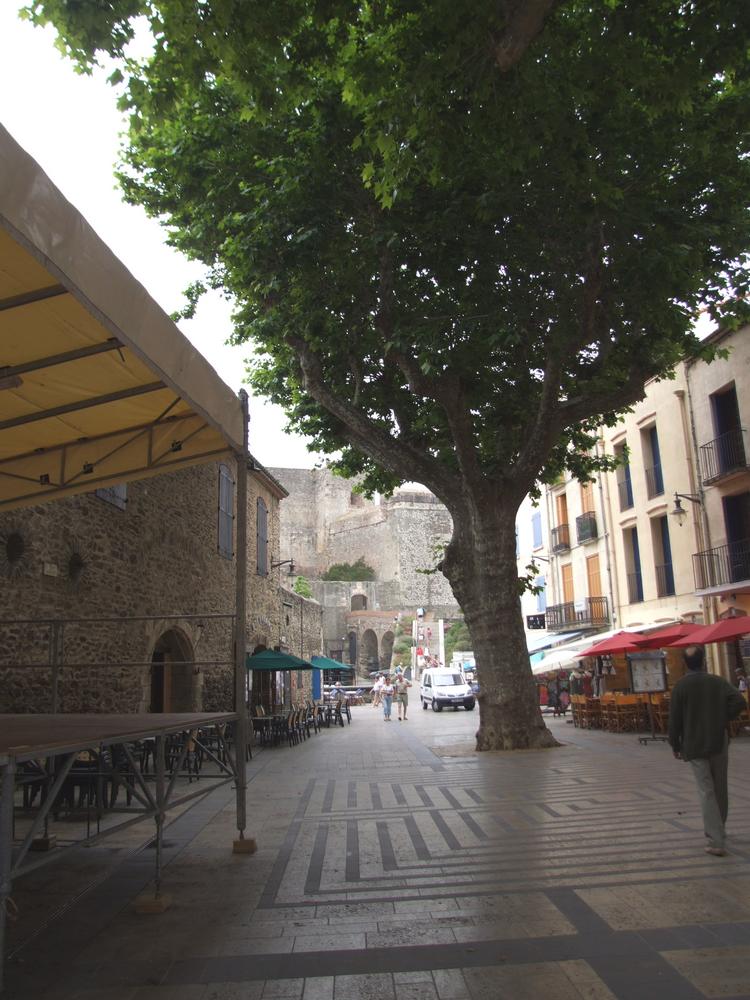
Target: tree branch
(525, 19)
(406, 460)
(542, 434)
(588, 404)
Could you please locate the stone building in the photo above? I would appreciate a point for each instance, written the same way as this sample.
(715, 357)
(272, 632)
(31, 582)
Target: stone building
(324, 522)
(122, 600)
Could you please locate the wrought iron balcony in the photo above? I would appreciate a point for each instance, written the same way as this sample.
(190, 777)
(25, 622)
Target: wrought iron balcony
(586, 529)
(664, 580)
(654, 482)
(592, 611)
(625, 489)
(722, 456)
(725, 564)
(635, 588)
(560, 538)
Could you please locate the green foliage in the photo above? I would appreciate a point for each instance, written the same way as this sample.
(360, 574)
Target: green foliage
(457, 637)
(302, 587)
(353, 572)
(445, 267)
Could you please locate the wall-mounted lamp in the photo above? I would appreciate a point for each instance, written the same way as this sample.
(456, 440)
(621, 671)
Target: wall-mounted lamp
(679, 511)
(285, 562)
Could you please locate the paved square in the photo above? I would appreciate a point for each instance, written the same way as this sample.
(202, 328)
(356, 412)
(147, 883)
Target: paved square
(395, 863)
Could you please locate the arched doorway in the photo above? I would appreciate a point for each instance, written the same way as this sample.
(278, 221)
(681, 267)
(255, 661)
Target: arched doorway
(370, 659)
(386, 651)
(359, 602)
(172, 677)
(353, 649)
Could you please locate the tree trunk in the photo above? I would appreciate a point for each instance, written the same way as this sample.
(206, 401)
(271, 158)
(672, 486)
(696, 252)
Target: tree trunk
(480, 565)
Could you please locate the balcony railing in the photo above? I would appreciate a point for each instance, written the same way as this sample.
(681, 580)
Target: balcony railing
(635, 588)
(586, 529)
(664, 580)
(722, 456)
(625, 489)
(723, 565)
(593, 611)
(560, 538)
(654, 482)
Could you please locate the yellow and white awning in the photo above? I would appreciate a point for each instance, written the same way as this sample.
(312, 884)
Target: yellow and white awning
(97, 384)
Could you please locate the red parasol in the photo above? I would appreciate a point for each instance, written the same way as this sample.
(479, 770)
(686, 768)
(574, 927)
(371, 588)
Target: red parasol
(620, 642)
(667, 636)
(723, 631)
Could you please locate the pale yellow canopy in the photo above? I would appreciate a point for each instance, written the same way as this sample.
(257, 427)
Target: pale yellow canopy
(97, 384)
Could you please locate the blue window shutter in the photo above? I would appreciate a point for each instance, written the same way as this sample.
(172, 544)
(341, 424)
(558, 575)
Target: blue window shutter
(262, 537)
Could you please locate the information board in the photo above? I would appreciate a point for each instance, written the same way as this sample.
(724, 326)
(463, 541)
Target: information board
(647, 672)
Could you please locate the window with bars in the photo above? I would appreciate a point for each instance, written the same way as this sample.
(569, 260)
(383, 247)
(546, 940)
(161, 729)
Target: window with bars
(261, 548)
(226, 512)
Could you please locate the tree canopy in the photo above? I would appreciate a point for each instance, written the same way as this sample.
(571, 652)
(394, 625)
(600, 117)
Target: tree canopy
(459, 234)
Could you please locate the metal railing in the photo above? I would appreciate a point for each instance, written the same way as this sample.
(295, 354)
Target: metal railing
(635, 588)
(664, 580)
(586, 528)
(654, 482)
(592, 611)
(560, 538)
(728, 563)
(625, 489)
(723, 455)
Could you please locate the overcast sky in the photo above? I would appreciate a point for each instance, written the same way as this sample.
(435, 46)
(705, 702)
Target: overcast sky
(70, 125)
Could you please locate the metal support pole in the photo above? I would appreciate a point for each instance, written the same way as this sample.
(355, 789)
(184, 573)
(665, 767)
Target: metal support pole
(7, 789)
(240, 668)
(160, 800)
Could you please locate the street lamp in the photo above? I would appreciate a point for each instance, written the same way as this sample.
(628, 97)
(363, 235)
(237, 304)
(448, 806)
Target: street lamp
(679, 511)
(285, 562)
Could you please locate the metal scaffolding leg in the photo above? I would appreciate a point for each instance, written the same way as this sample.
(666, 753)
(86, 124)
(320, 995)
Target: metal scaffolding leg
(240, 667)
(6, 852)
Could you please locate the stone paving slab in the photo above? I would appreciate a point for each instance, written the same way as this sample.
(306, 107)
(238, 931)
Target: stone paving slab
(395, 863)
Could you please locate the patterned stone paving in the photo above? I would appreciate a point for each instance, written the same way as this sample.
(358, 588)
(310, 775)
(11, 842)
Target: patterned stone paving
(387, 870)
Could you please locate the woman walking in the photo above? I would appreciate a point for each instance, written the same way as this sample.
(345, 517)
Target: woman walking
(386, 694)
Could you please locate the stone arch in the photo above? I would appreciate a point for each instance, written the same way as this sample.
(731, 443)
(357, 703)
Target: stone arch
(386, 651)
(172, 678)
(359, 602)
(369, 651)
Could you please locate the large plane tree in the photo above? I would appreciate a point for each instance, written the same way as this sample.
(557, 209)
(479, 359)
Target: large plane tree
(459, 233)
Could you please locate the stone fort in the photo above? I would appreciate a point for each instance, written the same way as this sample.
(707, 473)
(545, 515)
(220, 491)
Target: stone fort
(323, 522)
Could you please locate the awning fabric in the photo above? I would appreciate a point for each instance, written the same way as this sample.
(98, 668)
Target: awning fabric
(545, 641)
(97, 384)
(270, 659)
(326, 663)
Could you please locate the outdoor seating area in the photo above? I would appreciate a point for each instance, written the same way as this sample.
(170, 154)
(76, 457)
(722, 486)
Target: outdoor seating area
(633, 713)
(290, 727)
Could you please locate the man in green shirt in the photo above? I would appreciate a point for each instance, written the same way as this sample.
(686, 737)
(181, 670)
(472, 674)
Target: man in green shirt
(701, 706)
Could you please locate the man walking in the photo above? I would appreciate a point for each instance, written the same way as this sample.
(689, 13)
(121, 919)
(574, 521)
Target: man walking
(402, 686)
(701, 706)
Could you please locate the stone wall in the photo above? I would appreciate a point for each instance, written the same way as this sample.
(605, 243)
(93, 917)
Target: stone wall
(156, 559)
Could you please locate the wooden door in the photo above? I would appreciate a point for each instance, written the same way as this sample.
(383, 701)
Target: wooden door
(587, 498)
(594, 576)
(567, 583)
(561, 507)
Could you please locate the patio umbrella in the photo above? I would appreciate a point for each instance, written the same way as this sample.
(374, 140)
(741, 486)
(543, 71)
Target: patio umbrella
(326, 663)
(620, 642)
(723, 631)
(270, 659)
(667, 636)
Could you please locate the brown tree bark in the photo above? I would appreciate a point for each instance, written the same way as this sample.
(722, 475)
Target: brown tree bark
(480, 565)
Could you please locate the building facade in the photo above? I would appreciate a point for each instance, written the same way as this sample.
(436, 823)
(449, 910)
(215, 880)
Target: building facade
(123, 600)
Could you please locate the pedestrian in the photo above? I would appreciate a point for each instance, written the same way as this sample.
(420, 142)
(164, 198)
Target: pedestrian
(387, 696)
(700, 707)
(552, 699)
(401, 687)
(377, 691)
(564, 700)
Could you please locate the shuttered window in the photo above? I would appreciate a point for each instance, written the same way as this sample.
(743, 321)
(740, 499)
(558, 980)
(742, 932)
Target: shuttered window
(226, 512)
(262, 537)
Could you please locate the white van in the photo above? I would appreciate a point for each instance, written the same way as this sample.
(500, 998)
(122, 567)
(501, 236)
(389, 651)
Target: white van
(441, 686)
